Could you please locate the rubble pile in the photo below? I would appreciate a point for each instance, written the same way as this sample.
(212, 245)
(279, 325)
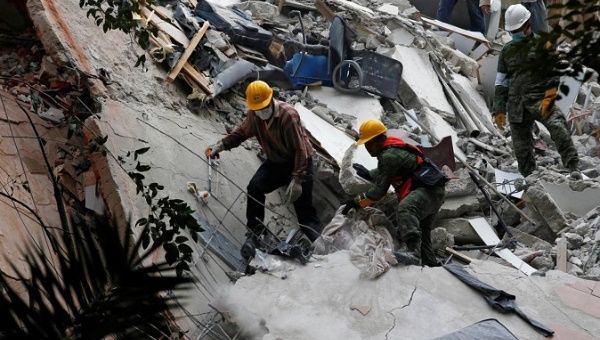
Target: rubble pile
(444, 91)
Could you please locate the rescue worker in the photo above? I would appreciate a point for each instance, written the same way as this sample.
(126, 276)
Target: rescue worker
(419, 186)
(527, 96)
(277, 127)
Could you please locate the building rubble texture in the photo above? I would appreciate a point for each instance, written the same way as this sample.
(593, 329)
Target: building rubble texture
(446, 89)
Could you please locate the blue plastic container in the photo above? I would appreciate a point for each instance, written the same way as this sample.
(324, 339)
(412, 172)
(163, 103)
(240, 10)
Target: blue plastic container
(304, 69)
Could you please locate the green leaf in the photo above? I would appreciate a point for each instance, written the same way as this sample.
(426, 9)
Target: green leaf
(184, 248)
(180, 239)
(171, 253)
(142, 222)
(141, 167)
(145, 240)
(182, 267)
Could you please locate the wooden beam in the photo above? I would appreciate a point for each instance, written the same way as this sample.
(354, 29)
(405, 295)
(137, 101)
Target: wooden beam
(561, 254)
(166, 27)
(197, 77)
(462, 257)
(188, 52)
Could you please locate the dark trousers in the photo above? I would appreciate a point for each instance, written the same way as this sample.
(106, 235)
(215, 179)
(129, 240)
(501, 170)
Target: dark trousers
(444, 13)
(271, 176)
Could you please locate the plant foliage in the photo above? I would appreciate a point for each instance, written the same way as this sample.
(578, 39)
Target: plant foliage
(100, 287)
(167, 217)
(119, 15)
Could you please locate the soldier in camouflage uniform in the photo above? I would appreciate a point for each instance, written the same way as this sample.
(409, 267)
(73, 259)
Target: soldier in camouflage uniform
(528, 96)
(419, 203)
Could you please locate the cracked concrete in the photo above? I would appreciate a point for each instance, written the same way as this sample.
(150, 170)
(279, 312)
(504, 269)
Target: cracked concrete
(313, 302)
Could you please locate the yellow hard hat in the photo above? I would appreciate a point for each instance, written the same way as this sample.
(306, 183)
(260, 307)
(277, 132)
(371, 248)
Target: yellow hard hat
(370, 129)
(258, 95)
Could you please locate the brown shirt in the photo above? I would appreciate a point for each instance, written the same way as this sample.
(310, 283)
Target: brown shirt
(282, 137)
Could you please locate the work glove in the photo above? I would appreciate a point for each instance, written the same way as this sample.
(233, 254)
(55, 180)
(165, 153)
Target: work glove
(294, 190)
(486, 9)
(213, 150)
(362, 171)
(348, 205)
(548, 102)
(500, 120)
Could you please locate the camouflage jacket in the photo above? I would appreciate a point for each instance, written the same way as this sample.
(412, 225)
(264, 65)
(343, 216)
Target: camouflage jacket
(517, 90)
(392, 163)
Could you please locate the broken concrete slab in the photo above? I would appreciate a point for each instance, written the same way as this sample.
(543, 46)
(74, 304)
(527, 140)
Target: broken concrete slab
(575, 202)
(461, 229)
(459, 206)
(313, 303)
(419, 79)
(469, 95)
(388, 9)
(335, 141)
(545, 207)
(360, 106)
(401, 36)
(487, 75)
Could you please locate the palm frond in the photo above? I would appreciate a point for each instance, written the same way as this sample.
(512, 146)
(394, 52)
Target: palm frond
(102, 286)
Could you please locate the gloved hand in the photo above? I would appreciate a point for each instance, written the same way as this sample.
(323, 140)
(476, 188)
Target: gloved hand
(362, 171)
(486, 9)
(294, 190)
(213, 150)
(348, 205)
(500, 120)
(548, 102)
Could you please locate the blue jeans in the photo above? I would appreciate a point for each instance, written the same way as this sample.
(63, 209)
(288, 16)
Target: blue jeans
(539, 17)
(445, 8)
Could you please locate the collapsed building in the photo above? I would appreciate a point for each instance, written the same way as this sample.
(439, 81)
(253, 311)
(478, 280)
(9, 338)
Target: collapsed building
(427, 80)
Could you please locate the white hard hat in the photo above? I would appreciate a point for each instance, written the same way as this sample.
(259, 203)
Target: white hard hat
(515, 17)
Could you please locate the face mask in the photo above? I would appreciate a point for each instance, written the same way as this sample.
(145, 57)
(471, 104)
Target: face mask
(265, 113)
(519, 36)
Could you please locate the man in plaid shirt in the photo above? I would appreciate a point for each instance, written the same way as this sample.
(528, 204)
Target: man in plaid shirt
(277, 127)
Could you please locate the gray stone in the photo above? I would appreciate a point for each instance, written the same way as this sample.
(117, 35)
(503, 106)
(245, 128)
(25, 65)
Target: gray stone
(459, 206)
(461, 229)
(547, 210)
(582, 229)
(530, 240)
(440, 239)
(542, 263)
(574, 241)
(574, 269)
(460, 187)
(593, 273)
(576, 261)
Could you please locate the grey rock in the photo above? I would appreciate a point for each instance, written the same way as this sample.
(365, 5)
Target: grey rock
(460, 187)
(576, 261)
(574, 269)
(546, 208)
(441, 238)
(461, 230)
(582, 229)
(574, 241)
(459, 206)
(593, 273)
(542, 263)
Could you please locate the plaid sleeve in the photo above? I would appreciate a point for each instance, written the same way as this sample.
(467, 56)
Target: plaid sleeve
(296, 139)
(240, 134)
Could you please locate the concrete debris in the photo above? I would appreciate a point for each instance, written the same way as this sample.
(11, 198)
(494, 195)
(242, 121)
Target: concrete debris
(445, 86)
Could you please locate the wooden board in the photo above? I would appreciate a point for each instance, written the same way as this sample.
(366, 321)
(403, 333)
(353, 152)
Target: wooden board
(462, 257)
(197, 77)
(448, 27)
(166, 27)
(187, 52)
(561, 254)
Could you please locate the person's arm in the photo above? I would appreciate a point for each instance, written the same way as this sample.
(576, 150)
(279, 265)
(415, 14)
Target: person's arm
(240, 133)
(390, 165)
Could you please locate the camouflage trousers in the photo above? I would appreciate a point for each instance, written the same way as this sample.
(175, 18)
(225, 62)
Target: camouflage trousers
(522, 139)
(416, 214)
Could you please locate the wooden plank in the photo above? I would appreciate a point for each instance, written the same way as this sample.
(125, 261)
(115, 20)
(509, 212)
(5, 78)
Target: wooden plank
(462, 257)
(166, 27)
(561, 254)
(188, 52)
(197, 77)
(478, 36)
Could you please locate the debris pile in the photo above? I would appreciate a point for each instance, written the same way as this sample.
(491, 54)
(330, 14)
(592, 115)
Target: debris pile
(339, 63)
